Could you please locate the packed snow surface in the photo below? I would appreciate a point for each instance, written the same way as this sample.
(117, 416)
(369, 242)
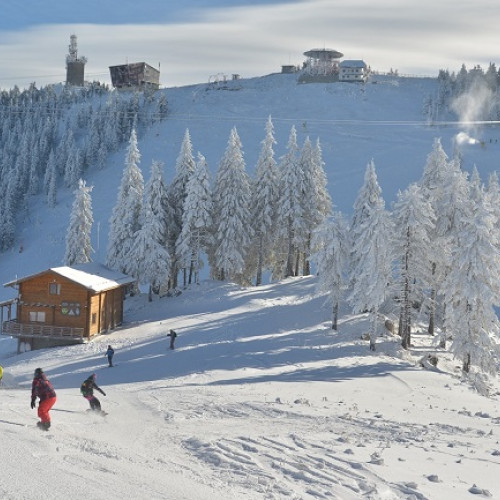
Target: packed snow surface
(260, 400)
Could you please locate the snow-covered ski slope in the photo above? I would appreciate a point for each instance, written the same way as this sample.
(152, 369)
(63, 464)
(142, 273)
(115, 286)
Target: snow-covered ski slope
(259, 400)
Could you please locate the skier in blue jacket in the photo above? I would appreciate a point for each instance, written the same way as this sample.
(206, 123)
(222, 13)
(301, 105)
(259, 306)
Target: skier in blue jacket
(110, 353)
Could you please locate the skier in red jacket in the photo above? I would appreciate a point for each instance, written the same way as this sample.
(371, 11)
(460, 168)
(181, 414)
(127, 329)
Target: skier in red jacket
(42, 388)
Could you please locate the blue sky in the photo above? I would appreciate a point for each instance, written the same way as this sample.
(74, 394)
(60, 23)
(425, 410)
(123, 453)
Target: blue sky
(193, 40)
(16, 15)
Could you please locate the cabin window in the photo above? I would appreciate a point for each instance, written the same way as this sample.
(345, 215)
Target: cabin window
(94, 318)
(54, 289)
(70, 308)
(37, 316)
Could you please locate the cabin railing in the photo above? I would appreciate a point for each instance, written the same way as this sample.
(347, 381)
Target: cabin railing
(15, 329)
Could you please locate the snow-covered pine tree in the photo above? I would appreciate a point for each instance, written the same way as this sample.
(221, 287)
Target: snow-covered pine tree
(34, 174)
(125, 219)
(149, 258)
(74, 168)
(493, 197)
(264, 204)
(197, 224)
(491, 77)
(46, 141)
(161, 107)
(473, 284)
(9, 204)
(66, 145)
(157, 193)
(23, 161)
(450, 209)
(78, 240)
(102, 156)
(290, 228)
(331, 256)
(434, 183)
(371, 251)
(94, 140)
(50, 180)
(184, 168)
(50, 171)
(232, 213)
(52, 193)
(316, 200)
(83, 116)
(111, 134)
(414, 221)
(323, 199)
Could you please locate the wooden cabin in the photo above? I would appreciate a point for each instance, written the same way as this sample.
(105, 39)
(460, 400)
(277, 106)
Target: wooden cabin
(65, 305)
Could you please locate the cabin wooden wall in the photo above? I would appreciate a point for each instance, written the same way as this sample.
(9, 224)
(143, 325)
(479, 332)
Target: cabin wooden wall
(34, 296)
(106, 310)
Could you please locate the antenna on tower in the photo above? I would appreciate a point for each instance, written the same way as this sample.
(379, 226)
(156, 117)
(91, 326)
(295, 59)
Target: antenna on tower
(72, 55)
(73, 49)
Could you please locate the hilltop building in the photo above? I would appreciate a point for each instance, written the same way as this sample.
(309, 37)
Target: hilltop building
(288, 69)
(75, 66)
(324, 66)
(134, 76)
(353, 71)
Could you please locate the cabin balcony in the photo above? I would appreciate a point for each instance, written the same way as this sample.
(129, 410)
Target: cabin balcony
(37, 330)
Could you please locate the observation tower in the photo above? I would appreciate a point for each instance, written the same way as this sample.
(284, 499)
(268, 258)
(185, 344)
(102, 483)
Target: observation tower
(322, 62)
(75, 66)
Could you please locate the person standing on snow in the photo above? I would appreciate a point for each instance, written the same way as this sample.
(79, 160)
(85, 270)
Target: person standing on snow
(42, 388)
(173, 336)
(109, 353)
(1, 373)
(87, 390)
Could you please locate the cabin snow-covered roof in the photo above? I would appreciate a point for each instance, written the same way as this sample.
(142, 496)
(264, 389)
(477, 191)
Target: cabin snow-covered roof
(92, 276)
(352, 63)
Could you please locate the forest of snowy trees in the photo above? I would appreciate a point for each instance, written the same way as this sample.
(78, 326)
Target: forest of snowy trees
(240, 227)
(43, 146)
(456, 87)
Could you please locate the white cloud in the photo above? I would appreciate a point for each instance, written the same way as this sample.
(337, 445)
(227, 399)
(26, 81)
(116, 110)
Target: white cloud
(413, 37)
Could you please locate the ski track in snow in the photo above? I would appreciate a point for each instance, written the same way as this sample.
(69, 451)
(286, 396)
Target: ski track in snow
(335, 450)
(339, 465)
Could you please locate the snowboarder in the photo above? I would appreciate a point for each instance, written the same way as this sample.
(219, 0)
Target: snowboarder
(173, 336)
(43, 389)
(87, 390)
(109, 353)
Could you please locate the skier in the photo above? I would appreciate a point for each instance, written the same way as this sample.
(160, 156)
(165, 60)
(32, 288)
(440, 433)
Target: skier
(1, 373)
(173, 336)
(87, 390)
(42, 388)
(109, 353)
